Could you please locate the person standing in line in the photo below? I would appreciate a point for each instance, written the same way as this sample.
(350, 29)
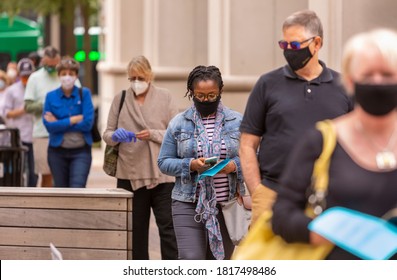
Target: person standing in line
(283, 104)
(363, 166)
(17, 116)
(206, 129)
(145, 114)
(12, 72)
(36, 58)
(68, 116)
(3, 86)
(39, 84)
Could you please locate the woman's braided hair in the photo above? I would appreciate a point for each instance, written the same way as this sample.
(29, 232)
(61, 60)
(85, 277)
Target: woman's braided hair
(203, 73)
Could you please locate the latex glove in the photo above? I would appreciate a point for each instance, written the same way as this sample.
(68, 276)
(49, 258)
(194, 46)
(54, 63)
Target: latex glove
(122, 135)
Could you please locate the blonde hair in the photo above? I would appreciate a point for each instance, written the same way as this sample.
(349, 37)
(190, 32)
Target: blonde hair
(383, 40)
(141, 65)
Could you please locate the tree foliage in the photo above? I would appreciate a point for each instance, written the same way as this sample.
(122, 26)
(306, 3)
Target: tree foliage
(65, 9)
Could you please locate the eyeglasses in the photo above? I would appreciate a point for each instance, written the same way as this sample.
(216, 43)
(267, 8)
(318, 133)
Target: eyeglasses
(211, 97)
(141, 79)
(295, 45)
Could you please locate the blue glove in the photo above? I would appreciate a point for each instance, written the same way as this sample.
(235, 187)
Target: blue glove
(122, 135)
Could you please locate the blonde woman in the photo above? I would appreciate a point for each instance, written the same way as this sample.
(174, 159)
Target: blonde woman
(363, 168)
(138, 128)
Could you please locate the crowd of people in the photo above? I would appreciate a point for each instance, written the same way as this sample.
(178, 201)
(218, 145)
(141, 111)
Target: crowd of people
(271, 149)
(53, 119)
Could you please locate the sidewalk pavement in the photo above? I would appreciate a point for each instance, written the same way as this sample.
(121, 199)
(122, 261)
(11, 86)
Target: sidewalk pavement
(99, 179)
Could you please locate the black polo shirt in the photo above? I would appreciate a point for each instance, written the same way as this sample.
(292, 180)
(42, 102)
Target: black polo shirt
(282, 106)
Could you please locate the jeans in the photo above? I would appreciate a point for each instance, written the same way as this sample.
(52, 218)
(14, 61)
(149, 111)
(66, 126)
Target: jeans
(29, 160)
(70, 167)
(159, 199)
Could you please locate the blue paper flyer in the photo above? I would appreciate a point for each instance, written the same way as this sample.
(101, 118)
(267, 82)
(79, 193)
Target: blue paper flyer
(363, 235)
(214, 169)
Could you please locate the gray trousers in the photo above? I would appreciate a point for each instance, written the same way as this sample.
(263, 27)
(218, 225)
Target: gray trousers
(191, 237)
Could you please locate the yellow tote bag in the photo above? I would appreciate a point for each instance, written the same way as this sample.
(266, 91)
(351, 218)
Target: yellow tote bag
(262, 244)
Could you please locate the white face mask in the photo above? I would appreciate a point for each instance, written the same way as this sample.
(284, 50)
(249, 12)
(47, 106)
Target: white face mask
(67, 81)
(139, 87)
(12, 73)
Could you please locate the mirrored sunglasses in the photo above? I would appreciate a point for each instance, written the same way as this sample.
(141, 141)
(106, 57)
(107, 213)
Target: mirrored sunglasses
(295, 45)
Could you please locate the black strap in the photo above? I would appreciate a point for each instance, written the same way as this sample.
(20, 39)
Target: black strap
(120, 106)
(122, 100)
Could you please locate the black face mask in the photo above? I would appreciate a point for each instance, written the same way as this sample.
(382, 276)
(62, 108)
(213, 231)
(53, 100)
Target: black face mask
(377, 100)
(206, 108)
(298, 59)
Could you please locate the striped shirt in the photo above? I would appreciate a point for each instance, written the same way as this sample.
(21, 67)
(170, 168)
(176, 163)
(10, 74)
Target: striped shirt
(221, 181)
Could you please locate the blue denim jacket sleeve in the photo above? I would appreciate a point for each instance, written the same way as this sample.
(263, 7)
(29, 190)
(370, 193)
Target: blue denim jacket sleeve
(239, 173)
(168, 160)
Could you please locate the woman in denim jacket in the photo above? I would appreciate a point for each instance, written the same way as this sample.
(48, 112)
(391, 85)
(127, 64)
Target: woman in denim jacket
(204, 130)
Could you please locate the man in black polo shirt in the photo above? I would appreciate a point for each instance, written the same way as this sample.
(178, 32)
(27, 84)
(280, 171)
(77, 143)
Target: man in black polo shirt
(283, 104)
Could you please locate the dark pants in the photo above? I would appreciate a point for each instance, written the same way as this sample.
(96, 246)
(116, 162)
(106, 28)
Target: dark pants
(192, 237)
(70, 167)
(159, 199)
(29, 159)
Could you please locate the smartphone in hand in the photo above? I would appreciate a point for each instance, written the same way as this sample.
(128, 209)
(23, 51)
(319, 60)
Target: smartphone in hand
(211, 161)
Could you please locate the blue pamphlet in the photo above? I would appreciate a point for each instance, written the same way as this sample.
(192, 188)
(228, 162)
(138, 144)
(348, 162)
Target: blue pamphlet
(214, 169)
(363, 235)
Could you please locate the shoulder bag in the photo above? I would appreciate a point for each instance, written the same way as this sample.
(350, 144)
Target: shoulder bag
(112, 152)
(237, 219)
(262, 243)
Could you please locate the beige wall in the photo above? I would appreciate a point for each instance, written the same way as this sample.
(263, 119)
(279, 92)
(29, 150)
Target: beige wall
(240, 37)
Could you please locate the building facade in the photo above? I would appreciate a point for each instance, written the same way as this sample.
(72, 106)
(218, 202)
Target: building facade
(240, 37)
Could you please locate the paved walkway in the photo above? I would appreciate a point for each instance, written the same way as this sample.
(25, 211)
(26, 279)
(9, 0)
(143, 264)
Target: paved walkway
(98, 179)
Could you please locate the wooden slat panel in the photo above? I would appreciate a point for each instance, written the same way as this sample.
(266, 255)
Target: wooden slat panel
(72, 219)
(130, 202)
(129, 240)
(83, 203)
(129, 221)
(86, 192)
(43, 253)
(63, 238)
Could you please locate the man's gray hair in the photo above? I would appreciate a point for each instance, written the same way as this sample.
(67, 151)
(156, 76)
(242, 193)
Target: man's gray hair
(51, 52)
(308, 19)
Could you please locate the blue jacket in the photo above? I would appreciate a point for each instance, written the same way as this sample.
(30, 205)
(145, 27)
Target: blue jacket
(63, 108)
(179, 148)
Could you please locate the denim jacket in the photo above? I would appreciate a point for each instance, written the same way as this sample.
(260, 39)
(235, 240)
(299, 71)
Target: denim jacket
(179, 148)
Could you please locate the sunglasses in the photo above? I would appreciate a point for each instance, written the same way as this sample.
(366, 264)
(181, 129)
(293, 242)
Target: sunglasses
(295, 45)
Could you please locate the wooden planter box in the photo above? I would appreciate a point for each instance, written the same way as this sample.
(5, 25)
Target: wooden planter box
(93, 224)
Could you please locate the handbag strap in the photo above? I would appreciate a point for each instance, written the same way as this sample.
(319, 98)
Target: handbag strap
(121, 105)
(321, 166)
(122, 100)
(320, 176)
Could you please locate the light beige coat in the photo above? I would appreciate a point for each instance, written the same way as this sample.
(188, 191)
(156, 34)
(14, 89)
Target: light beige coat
(138, 161)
